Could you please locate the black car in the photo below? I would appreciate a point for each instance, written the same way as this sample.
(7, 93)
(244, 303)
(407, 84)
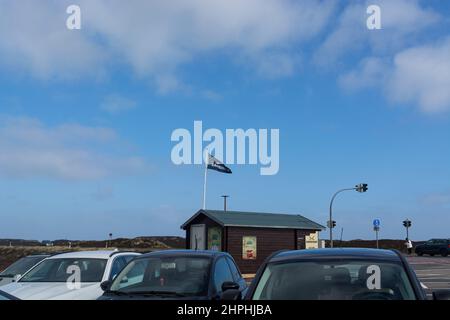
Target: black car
(19, 268)
(335, 274)
(434, 246)
(6, 297)
(176, 274)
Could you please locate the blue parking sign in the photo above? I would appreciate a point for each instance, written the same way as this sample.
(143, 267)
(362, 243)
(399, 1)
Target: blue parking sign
(376, 222)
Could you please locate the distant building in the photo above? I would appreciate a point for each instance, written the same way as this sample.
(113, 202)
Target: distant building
(250, 237)
(47, 243)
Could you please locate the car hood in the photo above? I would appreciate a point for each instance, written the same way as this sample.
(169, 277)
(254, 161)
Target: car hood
(5, 280)
(53, 291)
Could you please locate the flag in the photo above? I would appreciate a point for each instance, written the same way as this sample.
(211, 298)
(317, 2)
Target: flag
(214, 164)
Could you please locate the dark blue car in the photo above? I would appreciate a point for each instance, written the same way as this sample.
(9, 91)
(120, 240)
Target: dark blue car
(433, 247)
(176, 274)
(335, 274)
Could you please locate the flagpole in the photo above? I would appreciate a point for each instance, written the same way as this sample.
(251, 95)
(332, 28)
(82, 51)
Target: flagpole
(206, 176)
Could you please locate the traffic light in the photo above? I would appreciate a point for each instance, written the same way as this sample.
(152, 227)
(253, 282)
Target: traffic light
(332, 224)
(362, 187)
(407, 224)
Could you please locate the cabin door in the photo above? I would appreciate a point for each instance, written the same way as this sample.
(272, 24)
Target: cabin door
(198, 241)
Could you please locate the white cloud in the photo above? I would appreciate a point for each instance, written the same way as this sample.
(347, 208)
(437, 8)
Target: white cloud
(391, 59)
(34, 40)
(70, 151)
(169, 83)
(370, 72)
(421, 75)
(115, 104)
(402, 22)
(418, 76)
(154, 37)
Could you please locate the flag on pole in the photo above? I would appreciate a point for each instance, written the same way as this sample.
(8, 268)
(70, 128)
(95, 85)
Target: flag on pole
(211, 163)
(214, 164)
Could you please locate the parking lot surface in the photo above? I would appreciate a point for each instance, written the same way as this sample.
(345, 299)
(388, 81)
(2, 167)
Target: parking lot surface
(433, 272)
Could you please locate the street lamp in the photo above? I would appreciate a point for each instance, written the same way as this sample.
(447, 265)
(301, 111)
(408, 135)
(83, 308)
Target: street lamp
(362, 187)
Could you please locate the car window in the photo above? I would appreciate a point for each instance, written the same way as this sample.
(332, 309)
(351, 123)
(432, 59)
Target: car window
(128, 258)
(23, 265)
(222, 273)
(59, 270)
(358, 280)
(118, 264)
(187, 276)
(234, 270)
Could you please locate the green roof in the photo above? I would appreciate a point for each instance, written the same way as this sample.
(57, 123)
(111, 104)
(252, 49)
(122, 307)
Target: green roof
(257, 220)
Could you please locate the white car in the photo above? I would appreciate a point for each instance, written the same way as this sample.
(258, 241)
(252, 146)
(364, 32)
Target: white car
(70, 276)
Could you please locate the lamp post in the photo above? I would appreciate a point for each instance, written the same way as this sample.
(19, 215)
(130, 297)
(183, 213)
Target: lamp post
(362, 187)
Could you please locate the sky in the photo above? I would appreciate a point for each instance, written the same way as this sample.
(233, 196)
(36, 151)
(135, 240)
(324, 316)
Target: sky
(86, 116)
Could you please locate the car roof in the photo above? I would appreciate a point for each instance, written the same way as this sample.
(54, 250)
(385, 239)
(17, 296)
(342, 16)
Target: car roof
(185, 253)
(336, 253)
(101, 254)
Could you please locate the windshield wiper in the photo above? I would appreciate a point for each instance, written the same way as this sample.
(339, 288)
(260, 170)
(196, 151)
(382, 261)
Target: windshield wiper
(118, 293)
(156, 293)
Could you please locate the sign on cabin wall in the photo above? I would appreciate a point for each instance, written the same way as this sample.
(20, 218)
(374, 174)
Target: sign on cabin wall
(215, 239)
(312, 240)
(249, 248)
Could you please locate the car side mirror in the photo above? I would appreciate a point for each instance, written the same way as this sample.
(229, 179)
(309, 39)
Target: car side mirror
(441, 295)
(231, 295)
(229, 285)
(230, 291)
(105, 285)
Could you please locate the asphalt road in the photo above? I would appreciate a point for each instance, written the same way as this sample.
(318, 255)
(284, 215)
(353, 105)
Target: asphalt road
(433, 272)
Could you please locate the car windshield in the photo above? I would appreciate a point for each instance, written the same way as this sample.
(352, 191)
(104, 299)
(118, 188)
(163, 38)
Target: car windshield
(186, 276)
(66, 269)
(340, 280)
(22, 265)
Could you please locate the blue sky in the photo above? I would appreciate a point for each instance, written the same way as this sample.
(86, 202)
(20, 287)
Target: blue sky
(86, 116)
